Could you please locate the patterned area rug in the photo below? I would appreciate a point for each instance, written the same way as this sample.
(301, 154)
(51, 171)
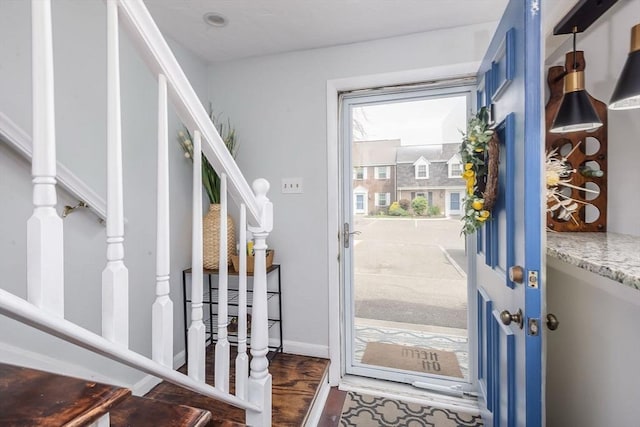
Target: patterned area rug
(368, 411)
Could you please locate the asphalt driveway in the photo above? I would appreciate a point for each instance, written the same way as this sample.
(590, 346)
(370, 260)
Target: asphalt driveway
(411, 271)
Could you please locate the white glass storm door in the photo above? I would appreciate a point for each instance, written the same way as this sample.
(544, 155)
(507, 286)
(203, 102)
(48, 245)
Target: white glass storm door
(405, 290)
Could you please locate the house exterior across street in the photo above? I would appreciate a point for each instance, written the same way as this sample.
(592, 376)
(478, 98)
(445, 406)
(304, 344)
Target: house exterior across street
(384, 172)
(374, 175)
(432, 171)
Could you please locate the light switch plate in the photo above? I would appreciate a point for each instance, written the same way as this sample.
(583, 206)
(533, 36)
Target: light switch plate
(292, 185)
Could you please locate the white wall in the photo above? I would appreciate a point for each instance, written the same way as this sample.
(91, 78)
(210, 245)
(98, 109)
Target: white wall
(606, 45)
(80, 61)
(592, 374)
(278, 104)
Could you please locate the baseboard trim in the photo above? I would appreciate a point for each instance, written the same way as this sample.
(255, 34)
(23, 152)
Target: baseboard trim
(148, 382)
(306, 349)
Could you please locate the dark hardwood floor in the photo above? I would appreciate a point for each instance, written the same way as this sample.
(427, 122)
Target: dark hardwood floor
(332, 408)
(296, 380)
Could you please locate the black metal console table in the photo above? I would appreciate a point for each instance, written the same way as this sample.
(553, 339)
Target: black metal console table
(210, 301)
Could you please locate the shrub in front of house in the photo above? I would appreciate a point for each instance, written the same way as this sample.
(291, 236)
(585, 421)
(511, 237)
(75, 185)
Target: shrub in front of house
(405, 204)
(419, 205)
(396, 210)
(433, 211)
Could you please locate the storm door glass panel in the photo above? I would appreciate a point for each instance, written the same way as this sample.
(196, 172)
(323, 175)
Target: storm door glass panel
(405, 287)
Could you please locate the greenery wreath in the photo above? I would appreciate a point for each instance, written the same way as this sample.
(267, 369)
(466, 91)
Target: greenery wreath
(479, 154)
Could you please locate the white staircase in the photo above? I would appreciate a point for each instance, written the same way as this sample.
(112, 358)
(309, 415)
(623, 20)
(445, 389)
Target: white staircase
(44, 307)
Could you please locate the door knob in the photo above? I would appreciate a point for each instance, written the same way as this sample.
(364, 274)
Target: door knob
(552, 322)
(507, 318)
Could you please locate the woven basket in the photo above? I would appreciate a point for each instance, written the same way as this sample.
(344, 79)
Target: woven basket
(251, 261)
(211, 238)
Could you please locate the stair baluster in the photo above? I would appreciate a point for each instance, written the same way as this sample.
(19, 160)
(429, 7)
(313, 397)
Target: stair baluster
(115, 276)
(45, 272)
(242, 359)
(196, 336)
(260, 378)
(222, 353)
(162, 310)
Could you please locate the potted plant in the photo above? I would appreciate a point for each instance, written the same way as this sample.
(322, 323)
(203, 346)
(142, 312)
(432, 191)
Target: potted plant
(211, 183)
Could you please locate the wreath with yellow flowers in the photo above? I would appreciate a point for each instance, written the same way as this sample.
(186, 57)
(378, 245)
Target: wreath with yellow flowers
(480, 156)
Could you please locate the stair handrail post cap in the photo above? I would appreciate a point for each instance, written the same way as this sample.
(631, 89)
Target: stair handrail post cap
(260, 188)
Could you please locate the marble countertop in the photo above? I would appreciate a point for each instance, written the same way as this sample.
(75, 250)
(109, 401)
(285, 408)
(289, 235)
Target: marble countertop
(612, 255)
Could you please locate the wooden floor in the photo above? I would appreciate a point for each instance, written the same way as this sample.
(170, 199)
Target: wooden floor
(332, 408)
(295, 382)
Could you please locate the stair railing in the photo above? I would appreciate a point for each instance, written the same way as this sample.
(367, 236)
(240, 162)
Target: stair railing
(45, 276)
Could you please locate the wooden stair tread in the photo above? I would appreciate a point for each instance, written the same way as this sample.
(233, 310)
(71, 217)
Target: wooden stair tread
(29, 397)
(296, 380)
(143, 412)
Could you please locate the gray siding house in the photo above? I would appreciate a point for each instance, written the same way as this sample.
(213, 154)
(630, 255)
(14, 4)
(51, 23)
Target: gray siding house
(432, 171)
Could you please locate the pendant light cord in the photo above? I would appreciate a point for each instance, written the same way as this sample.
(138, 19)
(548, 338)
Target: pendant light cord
(575, 59)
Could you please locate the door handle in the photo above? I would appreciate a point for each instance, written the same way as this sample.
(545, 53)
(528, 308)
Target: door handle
(552, 322)
(346, 234)
(517, 317)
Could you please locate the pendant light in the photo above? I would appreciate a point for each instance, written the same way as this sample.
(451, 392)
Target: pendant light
(626, 95)
(576, 113)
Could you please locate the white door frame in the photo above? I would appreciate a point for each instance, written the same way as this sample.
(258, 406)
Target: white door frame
(334, 203)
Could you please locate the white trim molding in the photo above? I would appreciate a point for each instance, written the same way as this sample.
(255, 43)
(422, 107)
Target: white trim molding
(334, 86)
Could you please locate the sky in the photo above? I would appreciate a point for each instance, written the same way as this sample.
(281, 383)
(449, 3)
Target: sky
(431, 121)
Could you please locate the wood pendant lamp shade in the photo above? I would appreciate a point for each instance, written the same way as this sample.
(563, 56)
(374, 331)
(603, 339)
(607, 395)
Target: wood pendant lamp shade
(591, 153)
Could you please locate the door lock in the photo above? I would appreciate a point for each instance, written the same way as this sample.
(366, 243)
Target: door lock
(507, 318)
(346, 235)
(516, 274)
(552, 322)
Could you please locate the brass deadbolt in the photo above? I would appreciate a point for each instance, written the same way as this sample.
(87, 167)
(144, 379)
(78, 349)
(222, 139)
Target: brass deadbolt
(516, 274)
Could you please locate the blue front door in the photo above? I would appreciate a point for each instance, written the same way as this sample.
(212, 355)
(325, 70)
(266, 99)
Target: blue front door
(506, 254)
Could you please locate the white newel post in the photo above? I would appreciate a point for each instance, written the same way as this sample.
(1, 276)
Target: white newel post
(162, 310)
(260, 378)
(115, 276)
(196, 335)
(45, 262)
(242, 359)
(222, 352)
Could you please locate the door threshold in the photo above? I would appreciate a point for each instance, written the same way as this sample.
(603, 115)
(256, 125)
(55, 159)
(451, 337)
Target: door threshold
(407, 393)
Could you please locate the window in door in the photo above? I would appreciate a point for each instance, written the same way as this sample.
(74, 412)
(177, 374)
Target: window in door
(454, 202)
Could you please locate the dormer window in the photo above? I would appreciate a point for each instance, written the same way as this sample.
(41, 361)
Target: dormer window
(455, 167)
(421, 167)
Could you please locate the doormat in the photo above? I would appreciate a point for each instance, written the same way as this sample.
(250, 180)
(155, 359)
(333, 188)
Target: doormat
(415, 359)
(361, 410)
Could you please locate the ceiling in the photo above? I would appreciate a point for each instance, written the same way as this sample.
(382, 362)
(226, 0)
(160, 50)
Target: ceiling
(262, 27)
